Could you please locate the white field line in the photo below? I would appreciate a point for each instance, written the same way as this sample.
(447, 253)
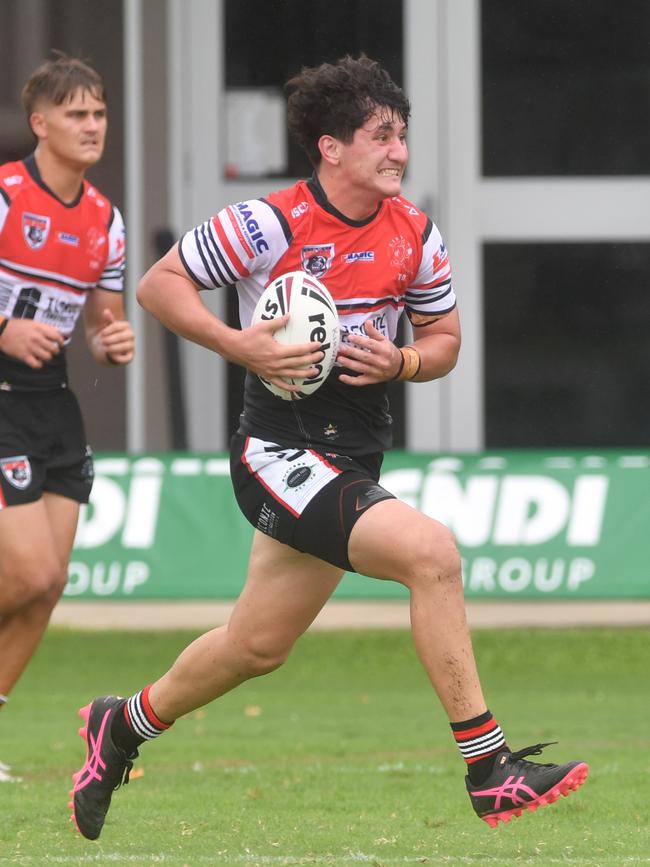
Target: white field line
(350, 858)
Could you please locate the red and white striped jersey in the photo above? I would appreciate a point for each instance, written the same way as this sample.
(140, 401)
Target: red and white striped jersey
(375, 269)
(51, 255)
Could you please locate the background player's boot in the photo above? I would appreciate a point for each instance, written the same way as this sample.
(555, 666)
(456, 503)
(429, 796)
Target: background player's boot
(516, 785)
(106, 768)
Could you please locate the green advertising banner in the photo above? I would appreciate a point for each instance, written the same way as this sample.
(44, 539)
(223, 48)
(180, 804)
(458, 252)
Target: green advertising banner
(529, 524)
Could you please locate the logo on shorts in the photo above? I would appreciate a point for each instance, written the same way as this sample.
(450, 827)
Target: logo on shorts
(268, 521)
(298, 477)
(35, 230)
(88, 467)
(17, 471)
(371, 495)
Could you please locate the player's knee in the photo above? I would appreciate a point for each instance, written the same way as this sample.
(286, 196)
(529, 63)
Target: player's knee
(56, 583)
(262, 655)
(437, 560)
(41, 581)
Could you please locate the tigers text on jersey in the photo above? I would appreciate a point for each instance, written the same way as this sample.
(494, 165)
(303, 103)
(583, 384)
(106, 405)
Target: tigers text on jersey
(375, 269)
(51, 255)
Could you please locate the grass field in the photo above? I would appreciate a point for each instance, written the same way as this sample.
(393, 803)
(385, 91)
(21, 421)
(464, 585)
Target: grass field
(341, 757)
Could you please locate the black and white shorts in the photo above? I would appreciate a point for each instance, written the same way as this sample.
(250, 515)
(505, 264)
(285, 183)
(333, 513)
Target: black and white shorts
(42, 447)
(305, 498)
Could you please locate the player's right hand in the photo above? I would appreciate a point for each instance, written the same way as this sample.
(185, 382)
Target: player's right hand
(33, 343)
(258, 350)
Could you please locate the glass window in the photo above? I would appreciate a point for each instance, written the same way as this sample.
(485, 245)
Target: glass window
(566, 344)
(565, 87)
(268, 41)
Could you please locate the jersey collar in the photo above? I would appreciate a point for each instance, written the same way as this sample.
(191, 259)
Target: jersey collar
(318, 193)
(30, 164)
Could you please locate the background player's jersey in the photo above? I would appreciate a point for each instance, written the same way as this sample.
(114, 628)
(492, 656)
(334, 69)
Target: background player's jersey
(51, 255)
(375, 269)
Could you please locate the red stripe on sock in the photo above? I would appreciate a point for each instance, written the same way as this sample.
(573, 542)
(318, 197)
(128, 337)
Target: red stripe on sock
(125, 712)
(151, 716)
(468, 734)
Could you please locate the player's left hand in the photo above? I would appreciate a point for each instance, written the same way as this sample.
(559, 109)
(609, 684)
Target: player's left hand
(116, 339)
(374, 357)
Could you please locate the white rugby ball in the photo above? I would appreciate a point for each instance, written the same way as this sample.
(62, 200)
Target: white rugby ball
(312, 316)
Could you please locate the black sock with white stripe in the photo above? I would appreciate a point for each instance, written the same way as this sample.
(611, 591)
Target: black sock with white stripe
(136, 723)
(479, 740)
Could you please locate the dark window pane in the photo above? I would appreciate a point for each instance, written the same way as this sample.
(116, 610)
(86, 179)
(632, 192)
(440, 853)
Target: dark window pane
(268, 41)
(565, 87)
(566, 345)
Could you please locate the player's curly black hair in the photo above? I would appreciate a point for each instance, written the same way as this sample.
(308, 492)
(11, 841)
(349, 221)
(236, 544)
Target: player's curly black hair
(337, 99)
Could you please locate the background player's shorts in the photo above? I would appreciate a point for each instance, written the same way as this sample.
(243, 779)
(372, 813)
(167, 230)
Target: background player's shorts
(42, 447)
(308, 499)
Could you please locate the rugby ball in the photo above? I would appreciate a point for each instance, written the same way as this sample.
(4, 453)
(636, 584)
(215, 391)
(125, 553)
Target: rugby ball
(313, 316)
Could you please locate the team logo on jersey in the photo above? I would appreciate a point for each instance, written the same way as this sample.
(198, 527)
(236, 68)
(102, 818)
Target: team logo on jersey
(317, 259)
(400, 252)
(12, 180)
(363, 256)
(439, 257)
(17, 471)
(35, 230)
(95, 240)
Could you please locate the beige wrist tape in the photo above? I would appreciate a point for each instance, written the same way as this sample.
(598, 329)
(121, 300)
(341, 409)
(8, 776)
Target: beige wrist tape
(412, 363)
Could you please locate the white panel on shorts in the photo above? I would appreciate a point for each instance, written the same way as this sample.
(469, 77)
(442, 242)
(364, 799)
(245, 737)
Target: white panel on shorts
(293, 477)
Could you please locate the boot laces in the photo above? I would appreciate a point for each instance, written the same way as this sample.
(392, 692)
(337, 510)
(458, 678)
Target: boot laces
(128, 767)
(534, 750)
